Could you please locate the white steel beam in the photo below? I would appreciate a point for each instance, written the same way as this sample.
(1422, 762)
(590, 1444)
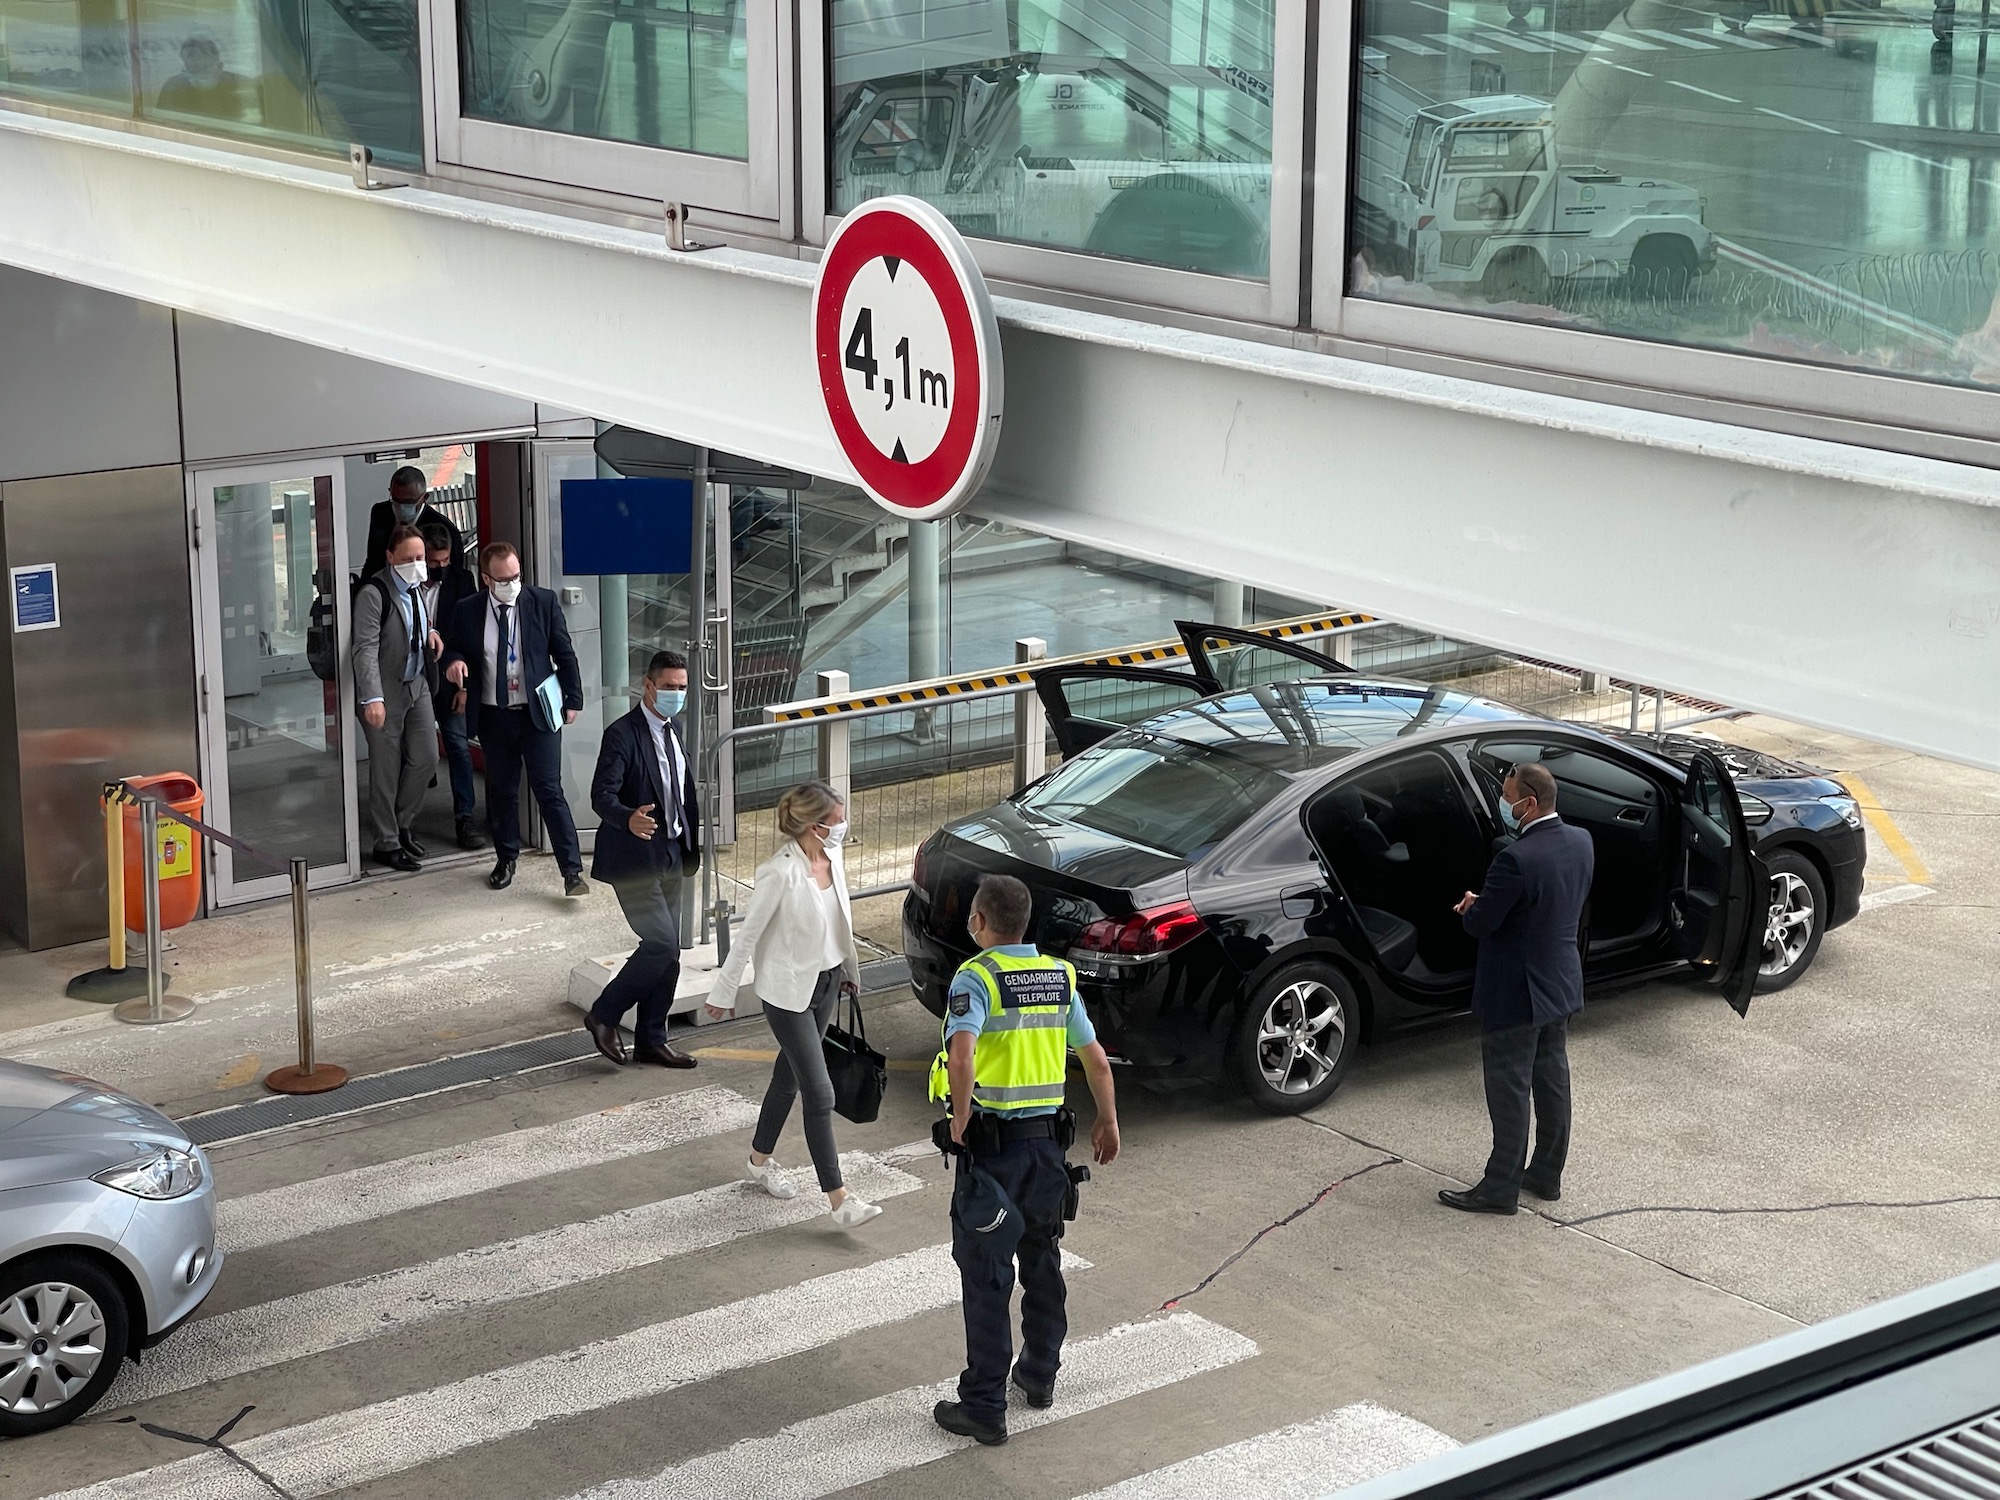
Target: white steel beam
(1833, 585)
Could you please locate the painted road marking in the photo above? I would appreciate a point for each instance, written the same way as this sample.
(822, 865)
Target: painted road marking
(1404, 44)
(1475, 48)
(1629, 41)
(354, 1197)
(1676, 38)
(1886, 829)
(1518, 43)
(1636, 72)
(394, 1436)
(1896, 895)
(1779, 114)
(1348, 1446)
(1565, 40)
(271, 1333)
(770, 1054)
(895, 1433)
(1709, 93)
(1741, 41)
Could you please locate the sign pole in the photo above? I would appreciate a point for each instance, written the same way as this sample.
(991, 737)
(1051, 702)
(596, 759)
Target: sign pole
(158, 1007)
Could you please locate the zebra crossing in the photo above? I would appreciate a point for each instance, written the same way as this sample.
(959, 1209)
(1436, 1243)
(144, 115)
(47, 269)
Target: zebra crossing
(1495, 41)
(321, 1452)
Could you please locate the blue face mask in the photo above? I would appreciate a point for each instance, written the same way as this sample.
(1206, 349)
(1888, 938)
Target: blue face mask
(668, 702)
(1510, 817)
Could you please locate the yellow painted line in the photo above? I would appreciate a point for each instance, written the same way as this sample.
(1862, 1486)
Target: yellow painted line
(244, 1072)
(1885, 826)
(770, 1054)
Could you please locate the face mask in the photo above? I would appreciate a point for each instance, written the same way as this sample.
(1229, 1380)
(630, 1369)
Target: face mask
(406, 511)
(668, 702)
(412, 573)
(507, 592)
(833, 835)
(1509, 816)
(435, 574)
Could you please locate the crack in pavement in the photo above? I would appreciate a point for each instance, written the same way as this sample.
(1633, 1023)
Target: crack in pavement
(1304, 1208)
(216, 1442)
(1803, 1208)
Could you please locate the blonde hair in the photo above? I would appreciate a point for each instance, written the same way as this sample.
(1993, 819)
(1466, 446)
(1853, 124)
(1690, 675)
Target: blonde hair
(805, 805)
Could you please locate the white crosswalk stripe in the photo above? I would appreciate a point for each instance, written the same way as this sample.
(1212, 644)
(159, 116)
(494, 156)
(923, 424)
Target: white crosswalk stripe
(895, 1433)
(270, 1333)
(390, 1437)
(354, 1197)
(1307, 1459)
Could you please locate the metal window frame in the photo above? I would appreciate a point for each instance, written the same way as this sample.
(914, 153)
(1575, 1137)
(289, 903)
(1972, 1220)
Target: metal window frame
(1274, 299)
(753, 188)
(1620, 363)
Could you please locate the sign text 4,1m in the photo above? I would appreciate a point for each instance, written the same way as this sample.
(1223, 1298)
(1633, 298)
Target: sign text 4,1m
(932, 387)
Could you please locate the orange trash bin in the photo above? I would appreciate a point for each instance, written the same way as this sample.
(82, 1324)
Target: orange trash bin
(179, 853)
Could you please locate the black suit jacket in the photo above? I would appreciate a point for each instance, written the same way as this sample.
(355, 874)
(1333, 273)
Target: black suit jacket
(382, 521)
(544, 643)
(457, 585)
(1528, 920)
(627, 778)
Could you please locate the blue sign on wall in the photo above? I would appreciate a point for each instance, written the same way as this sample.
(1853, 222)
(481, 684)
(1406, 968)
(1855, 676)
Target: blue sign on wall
(627, 525)
(35, 604)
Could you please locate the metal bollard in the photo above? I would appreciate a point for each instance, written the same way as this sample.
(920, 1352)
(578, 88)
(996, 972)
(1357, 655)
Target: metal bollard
(157, 1007)
(309, 1077)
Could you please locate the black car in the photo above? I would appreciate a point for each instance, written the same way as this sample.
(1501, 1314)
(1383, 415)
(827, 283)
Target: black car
(1253, 862)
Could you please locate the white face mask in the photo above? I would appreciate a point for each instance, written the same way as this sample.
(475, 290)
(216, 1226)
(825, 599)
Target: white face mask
(507, 592)
(412, 573)
(833, 835)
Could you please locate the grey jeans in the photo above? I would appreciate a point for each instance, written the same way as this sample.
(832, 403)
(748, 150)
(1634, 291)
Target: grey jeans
(402, 758)
(801, 1069)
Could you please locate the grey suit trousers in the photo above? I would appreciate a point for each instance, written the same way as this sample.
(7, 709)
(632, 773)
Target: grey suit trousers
(402, 759)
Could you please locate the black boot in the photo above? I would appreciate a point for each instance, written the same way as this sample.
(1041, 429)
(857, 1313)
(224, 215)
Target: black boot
(469, 836)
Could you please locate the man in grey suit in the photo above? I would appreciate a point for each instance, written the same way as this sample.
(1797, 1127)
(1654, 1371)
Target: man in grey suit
(395, 649)
(1528, 918)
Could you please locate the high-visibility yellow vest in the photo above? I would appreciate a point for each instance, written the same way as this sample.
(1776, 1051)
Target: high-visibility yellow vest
(1022, 1055)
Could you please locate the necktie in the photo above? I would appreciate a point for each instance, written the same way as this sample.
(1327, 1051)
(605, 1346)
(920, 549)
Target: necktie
(670, 812)
(415, 664)
(505, 654)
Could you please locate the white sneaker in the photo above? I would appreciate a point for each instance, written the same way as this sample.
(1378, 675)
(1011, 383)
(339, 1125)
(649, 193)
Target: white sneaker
(772, 1178)
(853, 1212)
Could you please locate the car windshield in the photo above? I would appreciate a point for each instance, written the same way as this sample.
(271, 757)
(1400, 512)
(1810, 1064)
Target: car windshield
(1190, 776)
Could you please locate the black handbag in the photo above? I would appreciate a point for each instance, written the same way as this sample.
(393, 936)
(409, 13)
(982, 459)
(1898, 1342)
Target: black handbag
(860, 1074)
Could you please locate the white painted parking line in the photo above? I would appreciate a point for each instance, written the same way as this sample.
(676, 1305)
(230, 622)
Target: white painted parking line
(1623, 40)
(354, 1197)
(393, 1436)
(1779, 114)
(1404, 44)
(895, 1433)
(1896, 895)
(1348, 1446)
(1461, 43)
(1676, 38)
(1636, 72)
(1706, 93)
(1570, 43)
(308, 1323)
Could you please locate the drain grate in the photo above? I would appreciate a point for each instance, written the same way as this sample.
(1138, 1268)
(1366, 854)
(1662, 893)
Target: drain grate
(1961, 1464)
(260, 1116)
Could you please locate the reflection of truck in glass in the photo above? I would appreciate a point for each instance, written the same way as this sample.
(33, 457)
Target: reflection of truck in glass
(1471, 193)
(1099, 147)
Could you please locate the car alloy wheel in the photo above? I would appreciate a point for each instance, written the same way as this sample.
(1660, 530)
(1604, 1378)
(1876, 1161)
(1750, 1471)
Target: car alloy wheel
(1789, 928)
(53, 1339)
(1300, 1037)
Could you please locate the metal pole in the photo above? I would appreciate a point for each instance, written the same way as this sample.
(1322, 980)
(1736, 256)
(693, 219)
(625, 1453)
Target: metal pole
(698, 647)
(310, 1076)
(1634, 725)
(114, 879)
(1659, 709)
(156, 1008)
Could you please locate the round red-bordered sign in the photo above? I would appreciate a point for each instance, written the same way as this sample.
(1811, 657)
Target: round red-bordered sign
(908, 355)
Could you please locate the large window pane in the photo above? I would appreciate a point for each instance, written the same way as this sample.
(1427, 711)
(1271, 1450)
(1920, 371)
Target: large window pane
(1816, 182)
(312, 74)
(674, 73)
(1132, 128)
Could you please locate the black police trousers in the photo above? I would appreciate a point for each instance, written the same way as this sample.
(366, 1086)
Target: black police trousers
(1032, 1174)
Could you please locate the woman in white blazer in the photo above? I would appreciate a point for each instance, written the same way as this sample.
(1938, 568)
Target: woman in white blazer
(800, 932)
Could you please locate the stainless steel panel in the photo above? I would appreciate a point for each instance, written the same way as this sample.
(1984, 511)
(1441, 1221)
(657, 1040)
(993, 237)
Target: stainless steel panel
(110, 693)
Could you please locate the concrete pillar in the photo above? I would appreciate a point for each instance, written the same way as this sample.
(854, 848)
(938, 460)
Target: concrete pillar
(1228, 606)
(833, 742)
(614, 621)
(1031, 720)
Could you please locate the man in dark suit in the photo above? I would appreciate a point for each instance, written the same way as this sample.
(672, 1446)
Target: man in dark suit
(500, 646)
(445, 586)
(1529, 981)
(648, 843)
(406, 506)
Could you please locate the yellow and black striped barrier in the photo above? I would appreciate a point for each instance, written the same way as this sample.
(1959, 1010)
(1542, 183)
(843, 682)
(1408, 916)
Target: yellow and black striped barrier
(1010, 678)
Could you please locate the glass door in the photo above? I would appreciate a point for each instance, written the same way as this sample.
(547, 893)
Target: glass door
(280, 774)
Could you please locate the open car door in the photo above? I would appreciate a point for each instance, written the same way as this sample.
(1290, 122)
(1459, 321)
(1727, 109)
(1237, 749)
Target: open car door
(1087, 703)
(1722, 890)
(1230, 656)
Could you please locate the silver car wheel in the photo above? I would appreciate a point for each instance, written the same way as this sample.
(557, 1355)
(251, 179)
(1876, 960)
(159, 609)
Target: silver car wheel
(1789, 926)
(51, 1344)
(1300, 1037)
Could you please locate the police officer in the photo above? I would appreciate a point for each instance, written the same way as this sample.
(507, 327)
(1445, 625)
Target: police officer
(1011, 1017)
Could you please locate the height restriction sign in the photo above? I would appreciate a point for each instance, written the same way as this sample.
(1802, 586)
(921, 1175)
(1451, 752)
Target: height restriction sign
(908, 356)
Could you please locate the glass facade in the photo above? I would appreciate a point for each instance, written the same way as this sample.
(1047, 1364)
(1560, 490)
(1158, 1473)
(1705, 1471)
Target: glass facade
(1815, 182)
(673, 74)
(1132, 128)
(311, 74)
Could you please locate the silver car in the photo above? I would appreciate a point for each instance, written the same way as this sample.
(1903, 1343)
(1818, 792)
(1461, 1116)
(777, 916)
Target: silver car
(107, 1240)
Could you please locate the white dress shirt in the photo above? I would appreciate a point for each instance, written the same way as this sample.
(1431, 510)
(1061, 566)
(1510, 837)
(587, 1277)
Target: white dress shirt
(500, 692)
(668, 749)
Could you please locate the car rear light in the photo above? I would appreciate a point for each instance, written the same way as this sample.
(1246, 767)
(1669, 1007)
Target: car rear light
(917, 867)
(1426, 221)
(1143, 935)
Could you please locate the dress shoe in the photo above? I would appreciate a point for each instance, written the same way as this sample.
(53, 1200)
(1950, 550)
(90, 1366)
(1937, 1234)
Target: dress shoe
(952, 1417)
(398, 858)
(1470, 1202)
(576, 885)
(662, 1057)
(1040, 1396)
(607, 1039)
(503, 873)
(1536, 1190)
(469, 836)
(410, 845)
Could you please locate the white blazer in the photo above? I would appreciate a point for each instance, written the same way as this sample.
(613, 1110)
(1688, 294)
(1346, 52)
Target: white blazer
(784, 931)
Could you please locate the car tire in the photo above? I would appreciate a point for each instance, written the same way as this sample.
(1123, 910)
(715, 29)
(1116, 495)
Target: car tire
(1798, 900)
(1664, 265)
(75, 1312)
(1517, 275)
(1296, 1005)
